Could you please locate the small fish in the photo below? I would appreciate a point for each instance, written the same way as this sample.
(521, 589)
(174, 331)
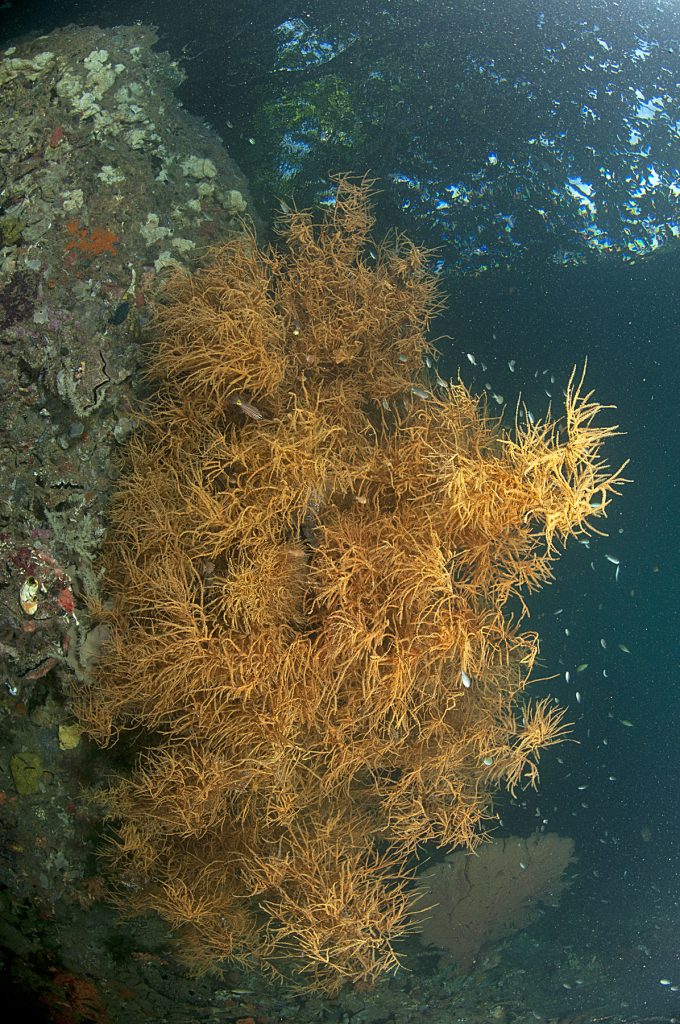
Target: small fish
(465, 679)
(582, 667)
(498, 399)
(622, 647)
(612, 559)
(616, 574)
(530, 417)
(488, 761)
(578, 697)
(420, 392)
(471, 358)
(624, 721)
(511, 365)
(247, 408)
(523, 866)
(583, 787)
(603, 644)
(567, 676)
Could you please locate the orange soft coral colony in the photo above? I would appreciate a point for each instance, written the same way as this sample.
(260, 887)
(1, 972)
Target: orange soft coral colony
(309, 566)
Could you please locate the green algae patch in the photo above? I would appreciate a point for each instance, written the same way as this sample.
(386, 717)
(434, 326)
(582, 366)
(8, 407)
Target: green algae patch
(26, 769)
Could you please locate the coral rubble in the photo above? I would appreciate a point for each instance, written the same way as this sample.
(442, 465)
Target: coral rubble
(316, 567)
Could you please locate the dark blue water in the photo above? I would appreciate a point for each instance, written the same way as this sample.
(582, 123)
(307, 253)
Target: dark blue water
(537, 147)
(616, 792)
